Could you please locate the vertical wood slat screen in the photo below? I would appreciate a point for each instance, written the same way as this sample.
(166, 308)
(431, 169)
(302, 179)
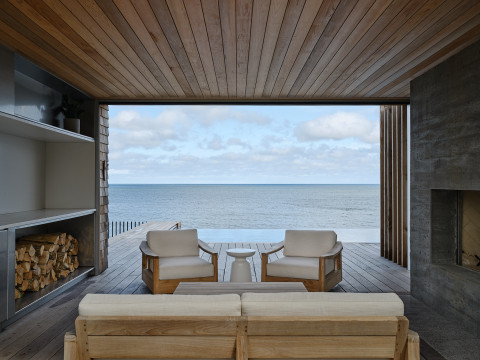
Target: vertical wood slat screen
(393, 184)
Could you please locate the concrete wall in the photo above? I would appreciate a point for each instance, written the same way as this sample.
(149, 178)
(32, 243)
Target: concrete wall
(445, 155)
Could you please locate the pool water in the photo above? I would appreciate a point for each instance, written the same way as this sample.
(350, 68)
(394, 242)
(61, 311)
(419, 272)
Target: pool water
(277, 235)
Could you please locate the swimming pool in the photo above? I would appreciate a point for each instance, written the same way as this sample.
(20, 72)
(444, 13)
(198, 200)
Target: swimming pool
(277, 235)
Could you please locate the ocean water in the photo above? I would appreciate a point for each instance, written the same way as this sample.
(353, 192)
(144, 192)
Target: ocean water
(253, 212)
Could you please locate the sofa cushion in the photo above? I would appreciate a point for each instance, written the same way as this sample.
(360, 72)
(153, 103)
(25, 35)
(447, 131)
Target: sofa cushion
(182, 267)
(298, 267)
(321, 304)
(308, 243)
(168, 243)
(160, 305)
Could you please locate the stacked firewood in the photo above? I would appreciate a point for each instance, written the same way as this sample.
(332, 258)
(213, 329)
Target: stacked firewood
(43, 259)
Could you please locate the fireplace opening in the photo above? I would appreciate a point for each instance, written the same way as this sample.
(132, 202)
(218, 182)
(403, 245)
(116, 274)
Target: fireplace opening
(469, 239)
(455, 228)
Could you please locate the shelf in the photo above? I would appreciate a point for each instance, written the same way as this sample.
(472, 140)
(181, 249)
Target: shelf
(38, 217)
(26, 128)
(32, 300)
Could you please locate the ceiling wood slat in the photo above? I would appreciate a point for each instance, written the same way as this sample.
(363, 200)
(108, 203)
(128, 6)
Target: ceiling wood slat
(361, 48)
(197, 22)
(289, 24)
(411, 14)
(211, 14)
(375, 12)
(142, 74)
(179, 15)
(48, 44)
(240, 50)
(393, 82)
(305, 22)
(436, 33)
(227, 20)
(352, 22)
(443, 54)
(165, 76)
(321, 21)
(76, 45)
(275, 18)
(26, 47)
(61, 15)
(305, 80)
(260, 13)
(167, 24)
(425, 23)
(171, 67)
(243, 25)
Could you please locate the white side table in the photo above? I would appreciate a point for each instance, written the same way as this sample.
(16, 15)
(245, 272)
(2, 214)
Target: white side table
(241, 267)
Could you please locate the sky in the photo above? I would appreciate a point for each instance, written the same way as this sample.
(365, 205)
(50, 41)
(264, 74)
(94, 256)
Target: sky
(240, 144)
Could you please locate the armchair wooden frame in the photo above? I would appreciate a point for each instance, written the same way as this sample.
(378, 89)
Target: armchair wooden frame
(151, 275)
(325, 281)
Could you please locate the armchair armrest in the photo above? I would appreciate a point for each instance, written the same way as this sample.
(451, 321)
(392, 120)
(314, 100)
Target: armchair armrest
(145, 249)
(273, 249)
(204, 246)
(334, 251)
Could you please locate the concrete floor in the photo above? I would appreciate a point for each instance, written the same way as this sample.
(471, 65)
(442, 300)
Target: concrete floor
(445, 337)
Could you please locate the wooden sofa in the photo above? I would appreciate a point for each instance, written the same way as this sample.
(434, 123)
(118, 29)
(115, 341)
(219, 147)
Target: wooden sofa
(223, 331)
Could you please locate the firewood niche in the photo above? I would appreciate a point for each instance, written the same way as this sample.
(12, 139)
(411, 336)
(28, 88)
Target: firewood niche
(42, 259)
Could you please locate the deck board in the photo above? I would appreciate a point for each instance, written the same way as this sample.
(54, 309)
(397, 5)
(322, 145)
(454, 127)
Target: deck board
(39, 335)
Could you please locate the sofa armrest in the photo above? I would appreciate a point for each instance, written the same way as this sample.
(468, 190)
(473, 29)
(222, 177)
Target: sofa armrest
(273, 249)
(204, 246)
(70, 347)
(145, 249)
(334, 251)
(413, 346)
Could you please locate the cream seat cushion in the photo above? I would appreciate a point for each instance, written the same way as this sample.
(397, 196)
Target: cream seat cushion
(298, 267)
(321, 304)
(160, 305)
(308, 243)
(168, 243)
(183, 267)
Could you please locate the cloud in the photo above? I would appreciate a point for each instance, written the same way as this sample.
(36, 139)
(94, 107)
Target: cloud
(338, 126)
(129, 129)
(208, 115)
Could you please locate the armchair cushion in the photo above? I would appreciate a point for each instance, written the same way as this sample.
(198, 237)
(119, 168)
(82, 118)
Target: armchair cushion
(308, 243)
(159, 305)
(298, 267)
(169, 243)
(321, 304)
(183, 267)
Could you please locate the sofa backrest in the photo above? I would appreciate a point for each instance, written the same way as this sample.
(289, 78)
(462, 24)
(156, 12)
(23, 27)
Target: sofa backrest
(321, 304)
(159, 305)
(171, 243)
(308, 243)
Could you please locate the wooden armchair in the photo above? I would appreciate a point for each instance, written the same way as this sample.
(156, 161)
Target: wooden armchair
(313, 257)
(172, 256)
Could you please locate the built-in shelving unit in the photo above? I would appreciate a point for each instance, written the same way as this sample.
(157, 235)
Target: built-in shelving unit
(48, 176)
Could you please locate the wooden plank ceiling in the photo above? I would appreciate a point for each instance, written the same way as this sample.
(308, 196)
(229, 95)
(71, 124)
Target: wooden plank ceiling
(260, 50)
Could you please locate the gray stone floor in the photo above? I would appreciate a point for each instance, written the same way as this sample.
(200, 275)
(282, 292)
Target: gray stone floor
(447, 338)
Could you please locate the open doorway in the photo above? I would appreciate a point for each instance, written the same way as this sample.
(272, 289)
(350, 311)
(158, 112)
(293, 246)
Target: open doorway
(246, 173)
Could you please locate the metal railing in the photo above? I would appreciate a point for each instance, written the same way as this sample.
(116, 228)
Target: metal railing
(118, 227)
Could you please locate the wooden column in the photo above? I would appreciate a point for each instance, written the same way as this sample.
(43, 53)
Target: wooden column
(393, 183)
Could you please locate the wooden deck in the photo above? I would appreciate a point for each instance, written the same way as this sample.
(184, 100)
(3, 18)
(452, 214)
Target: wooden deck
(39, 335)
